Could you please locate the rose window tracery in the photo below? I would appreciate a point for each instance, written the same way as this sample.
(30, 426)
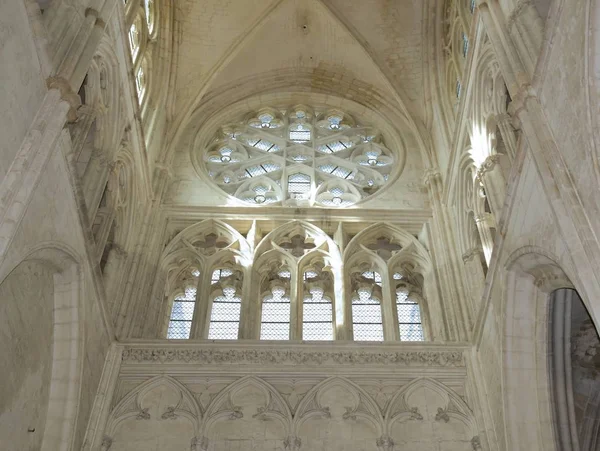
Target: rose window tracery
(298, 156)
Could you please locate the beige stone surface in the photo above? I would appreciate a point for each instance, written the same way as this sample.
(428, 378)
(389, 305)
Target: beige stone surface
(107, 216)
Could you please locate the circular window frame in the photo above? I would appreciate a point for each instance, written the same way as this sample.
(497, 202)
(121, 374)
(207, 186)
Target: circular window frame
(205, 133)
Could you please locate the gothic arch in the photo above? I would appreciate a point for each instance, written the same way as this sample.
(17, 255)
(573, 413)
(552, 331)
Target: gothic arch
(404, 238)
(223, 406)
(454, 404)
(364, 406)
(532, 275)
(201, 228)
(158, 408)
(131, 406)
(295, 227)
(66, 341)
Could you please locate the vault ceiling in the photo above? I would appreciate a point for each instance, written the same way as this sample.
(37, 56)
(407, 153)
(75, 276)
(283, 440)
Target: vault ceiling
(374, 45)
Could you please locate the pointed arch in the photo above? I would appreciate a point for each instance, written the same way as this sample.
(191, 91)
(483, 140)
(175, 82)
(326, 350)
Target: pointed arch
(132, 404)
(222, 406)
(365, 406)
(65, 343)
(461, 410)
(404, 238)
(296, 226)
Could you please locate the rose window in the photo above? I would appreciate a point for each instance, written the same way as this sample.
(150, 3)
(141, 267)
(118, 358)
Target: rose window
(298, 157)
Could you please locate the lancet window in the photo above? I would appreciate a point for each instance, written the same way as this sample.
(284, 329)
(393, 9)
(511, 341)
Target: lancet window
(298, 156)
(183, 307)
(276, 307)
(408, 310)
(226, 287)
(367, 295)
(317, 305)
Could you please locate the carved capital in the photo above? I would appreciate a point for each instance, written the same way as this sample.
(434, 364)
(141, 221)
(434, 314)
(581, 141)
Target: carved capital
(66, 94)
(442, 415)
(517, 11)
(471, 254)
(385, 442)
(476, 443)
(199, 443)
(143, 414)
(430, 176)
(519, 103)
(106, 443)
(292, 443)
(488, 165)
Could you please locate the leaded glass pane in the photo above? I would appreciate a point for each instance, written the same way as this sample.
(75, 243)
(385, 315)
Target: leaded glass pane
(223, 331)
(411, 332)
(368, 332)
(366, 318)
(275, 321)
(182, 312)
(299, 185)
(335, 146)
(179, 330)
(337, 171)
(409, 318)
(317, 331)
(274, 331)
(300, 133)
(225, 313)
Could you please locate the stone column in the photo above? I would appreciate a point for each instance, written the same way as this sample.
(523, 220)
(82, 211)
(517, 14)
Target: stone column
(526, 29)
(475, 276)
(457, 321)
(94, 181)
(506, 53)
(113, 272)
(484, 224)
(507, 132)
(490, 173)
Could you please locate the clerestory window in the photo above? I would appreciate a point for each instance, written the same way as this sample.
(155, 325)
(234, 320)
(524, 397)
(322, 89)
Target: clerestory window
(182, 313)
(367, 320)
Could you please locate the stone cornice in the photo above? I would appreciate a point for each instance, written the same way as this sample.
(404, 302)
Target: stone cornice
(281, 355)
(411, 220)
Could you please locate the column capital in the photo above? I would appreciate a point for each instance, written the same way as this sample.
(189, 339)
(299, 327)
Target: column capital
(471, 254)
(66, 94)
(385, 442)
(431, 175)
(292, 443)
(199, 443)
(488, 165)
(106, 443)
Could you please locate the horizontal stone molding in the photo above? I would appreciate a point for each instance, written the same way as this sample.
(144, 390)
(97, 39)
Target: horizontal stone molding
(293, 357)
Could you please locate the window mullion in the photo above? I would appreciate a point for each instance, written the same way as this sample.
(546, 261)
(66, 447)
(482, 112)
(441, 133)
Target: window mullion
(203, 305)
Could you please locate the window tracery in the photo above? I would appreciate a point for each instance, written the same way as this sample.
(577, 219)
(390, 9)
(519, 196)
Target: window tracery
(297, 272)
(298, 156)
(141, 35)
(456, 44)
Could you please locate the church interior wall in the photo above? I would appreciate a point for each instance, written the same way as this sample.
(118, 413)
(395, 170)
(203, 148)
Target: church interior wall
(23, 88)
(103, 209)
